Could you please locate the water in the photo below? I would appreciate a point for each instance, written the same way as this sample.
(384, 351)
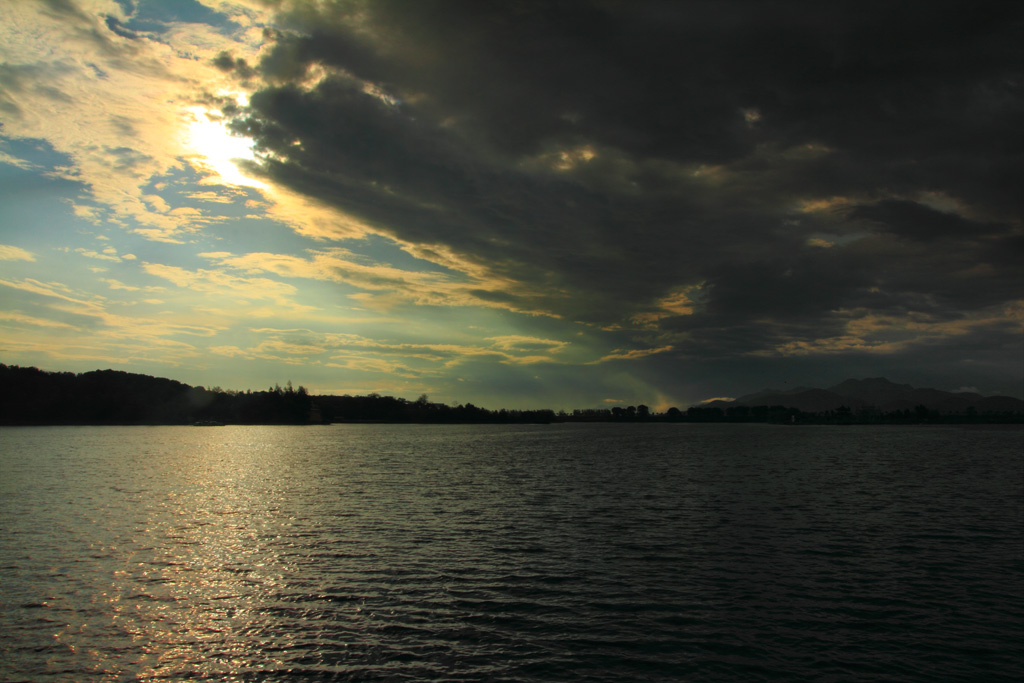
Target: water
(511, 553)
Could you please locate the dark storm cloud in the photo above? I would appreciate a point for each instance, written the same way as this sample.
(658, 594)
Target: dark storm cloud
(670, 80)
(225, 62)
(610, 154)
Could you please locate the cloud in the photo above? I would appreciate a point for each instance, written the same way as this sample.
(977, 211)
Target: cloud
(11, 253)
(369, 354)
(23, 319)
(108, 254)
(70, 324)
(17, 162)
(384, 286)
(225, 286)
(518, 342)
(620, 354)
(687, 185)
(55, 290)
(867, 332)
(616, 176)
(117, 284)
(117, 101)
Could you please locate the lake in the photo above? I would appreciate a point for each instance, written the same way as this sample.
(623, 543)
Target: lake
(598, 552)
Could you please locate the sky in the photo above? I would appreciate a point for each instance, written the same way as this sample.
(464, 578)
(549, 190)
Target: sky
(516, 204)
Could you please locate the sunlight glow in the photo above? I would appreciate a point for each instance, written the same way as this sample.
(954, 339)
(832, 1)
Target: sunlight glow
(217, 150)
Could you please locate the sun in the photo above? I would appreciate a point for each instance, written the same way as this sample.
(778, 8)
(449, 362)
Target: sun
(215, 149)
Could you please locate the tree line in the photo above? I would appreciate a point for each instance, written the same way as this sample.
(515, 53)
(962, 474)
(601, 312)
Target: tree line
(29, 396)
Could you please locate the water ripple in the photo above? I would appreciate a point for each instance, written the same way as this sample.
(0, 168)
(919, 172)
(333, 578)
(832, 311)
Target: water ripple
(555, 553)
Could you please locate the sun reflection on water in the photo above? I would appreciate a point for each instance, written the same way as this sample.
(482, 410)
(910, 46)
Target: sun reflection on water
(519, 553)
(193, 594)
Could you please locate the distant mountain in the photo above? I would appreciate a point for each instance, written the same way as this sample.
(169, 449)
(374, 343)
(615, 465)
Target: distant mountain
(874, 391)
(878, 393)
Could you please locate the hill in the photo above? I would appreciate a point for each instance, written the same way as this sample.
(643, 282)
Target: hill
(29, 396)
(877, 394)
